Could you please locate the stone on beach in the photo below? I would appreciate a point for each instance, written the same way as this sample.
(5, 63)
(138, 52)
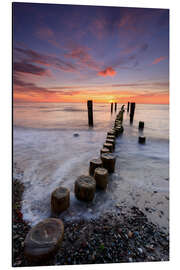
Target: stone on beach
(85, 187)
(44, 239)
(94, 163)
(101, 177)
(60, 200)
(109, 161)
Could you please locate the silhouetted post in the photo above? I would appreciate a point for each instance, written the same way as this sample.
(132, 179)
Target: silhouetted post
(132, 111)
(90, 112)
(128, 107)
(111, 107)
(141, 125)
(142, 139)
(115, 107)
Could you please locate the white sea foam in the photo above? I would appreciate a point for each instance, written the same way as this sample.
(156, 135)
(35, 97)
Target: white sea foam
(52, 157)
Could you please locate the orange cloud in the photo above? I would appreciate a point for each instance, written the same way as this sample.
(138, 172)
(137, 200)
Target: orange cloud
(109, 71)
(159, 59)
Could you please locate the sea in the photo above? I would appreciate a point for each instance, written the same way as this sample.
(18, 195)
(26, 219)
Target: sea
(53, 145)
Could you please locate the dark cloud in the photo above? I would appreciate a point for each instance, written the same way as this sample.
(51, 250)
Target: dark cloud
(81, 55)
(24, 67)
(46, 60)
(32, 89)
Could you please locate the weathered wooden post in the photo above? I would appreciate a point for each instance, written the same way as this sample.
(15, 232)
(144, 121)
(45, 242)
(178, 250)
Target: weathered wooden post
(104, 151)
(111, 141)
(43, 240)
(132, 109)
(101, 177)
(85, 187)
(141, 125)
(111, 107)
(60, 200)
(108, 146)
(142, 139)
(108, 161)
(90, 112)
(94, 163)
(128, 106)
(115, 107)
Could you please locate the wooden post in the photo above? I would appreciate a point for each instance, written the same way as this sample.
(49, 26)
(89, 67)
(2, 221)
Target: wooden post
(85, 187)
(60, 200)
(111, 107)
(132, 111)
(115, 107)
(128, 107)
(108, 161)
(141, 125)
(142, 139)
(43, 240)
(90, 112)
(101, 177)
(94, 163)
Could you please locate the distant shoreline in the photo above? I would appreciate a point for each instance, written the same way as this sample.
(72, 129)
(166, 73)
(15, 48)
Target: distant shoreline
(85, 102)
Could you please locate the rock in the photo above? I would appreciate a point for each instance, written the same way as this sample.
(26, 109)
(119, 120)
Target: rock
(60, 200)
(150, 247)
(101, 177)
(130, 234)
(85, 187)
(108, 161)
(44, 239)
(94, 163)
(76, 134)
(140, 250)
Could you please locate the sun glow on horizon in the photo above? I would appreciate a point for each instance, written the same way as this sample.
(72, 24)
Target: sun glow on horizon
(77, 64)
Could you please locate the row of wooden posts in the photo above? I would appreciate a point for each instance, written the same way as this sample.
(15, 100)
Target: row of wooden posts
(90, 111)
(99, 168)
(44, 239)
(132, 106)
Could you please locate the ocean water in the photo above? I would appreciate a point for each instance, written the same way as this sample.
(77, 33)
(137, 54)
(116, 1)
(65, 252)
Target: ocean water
(45, 148)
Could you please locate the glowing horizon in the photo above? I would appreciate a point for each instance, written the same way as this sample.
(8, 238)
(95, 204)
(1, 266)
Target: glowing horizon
(103, 53)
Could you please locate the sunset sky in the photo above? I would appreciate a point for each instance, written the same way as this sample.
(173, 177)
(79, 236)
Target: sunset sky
(64, 53)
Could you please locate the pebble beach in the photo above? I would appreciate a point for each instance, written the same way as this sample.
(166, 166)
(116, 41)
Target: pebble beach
(128, 221)
(125, 236)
